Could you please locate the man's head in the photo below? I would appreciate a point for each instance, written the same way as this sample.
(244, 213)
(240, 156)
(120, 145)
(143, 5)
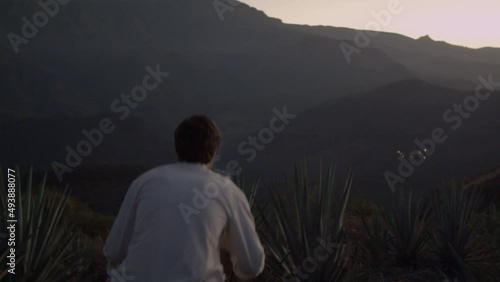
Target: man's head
(196, 140)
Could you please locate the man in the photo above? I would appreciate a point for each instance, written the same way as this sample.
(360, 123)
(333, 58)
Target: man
(175, 219)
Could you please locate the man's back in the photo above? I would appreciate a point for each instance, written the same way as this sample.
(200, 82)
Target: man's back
(170, 224)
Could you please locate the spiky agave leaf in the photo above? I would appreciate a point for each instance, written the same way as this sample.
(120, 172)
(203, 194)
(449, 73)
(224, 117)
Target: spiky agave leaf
(406, 221)
(302, 218)
(47, 247)
(456, 218)
(397, 238)
(374, 251)
(250, 189)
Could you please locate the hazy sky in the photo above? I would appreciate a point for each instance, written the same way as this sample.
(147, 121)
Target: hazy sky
(472, 23)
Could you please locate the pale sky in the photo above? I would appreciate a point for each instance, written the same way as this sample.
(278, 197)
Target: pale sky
(471, 23)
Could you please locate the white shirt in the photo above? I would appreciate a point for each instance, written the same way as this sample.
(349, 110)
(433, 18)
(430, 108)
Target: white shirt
(172, 223)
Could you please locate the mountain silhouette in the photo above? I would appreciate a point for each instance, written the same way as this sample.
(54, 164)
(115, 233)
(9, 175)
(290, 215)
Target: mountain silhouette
(65, 79)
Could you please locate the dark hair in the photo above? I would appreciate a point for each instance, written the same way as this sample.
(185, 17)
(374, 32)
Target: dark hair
(197, 139)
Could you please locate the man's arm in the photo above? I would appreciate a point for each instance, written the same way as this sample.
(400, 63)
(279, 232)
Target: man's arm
(247, 253)
(119, 237)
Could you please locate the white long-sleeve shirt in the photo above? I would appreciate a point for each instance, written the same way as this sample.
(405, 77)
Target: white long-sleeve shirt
(170, 228)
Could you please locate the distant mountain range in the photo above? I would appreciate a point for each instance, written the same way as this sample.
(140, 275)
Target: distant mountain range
(436, 61)
(365, 132)
(237, 70)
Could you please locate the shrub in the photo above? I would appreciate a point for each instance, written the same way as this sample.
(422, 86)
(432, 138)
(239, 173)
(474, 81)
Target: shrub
(304, 234)
(48, 248)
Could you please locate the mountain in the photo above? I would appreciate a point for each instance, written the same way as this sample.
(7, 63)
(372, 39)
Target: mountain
(435, 61)
(68, 76)
(42, 141)
(92, 51)
(364, 132)
(425, 44)
(235, 70)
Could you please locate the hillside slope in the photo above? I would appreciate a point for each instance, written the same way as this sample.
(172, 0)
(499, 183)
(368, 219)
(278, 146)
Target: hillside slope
(365, 132)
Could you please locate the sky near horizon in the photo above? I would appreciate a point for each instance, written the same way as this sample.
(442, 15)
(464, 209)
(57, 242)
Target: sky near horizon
(471, 23)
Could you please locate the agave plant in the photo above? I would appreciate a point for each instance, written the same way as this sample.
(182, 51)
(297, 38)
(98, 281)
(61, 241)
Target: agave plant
(304, 234)
(397, 238)
(375, 247)
(47, 247)
(250, 190)
(457, 221)
(406, 221)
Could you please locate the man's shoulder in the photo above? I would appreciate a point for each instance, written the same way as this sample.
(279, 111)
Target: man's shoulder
(154, 173)
(229, 188)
